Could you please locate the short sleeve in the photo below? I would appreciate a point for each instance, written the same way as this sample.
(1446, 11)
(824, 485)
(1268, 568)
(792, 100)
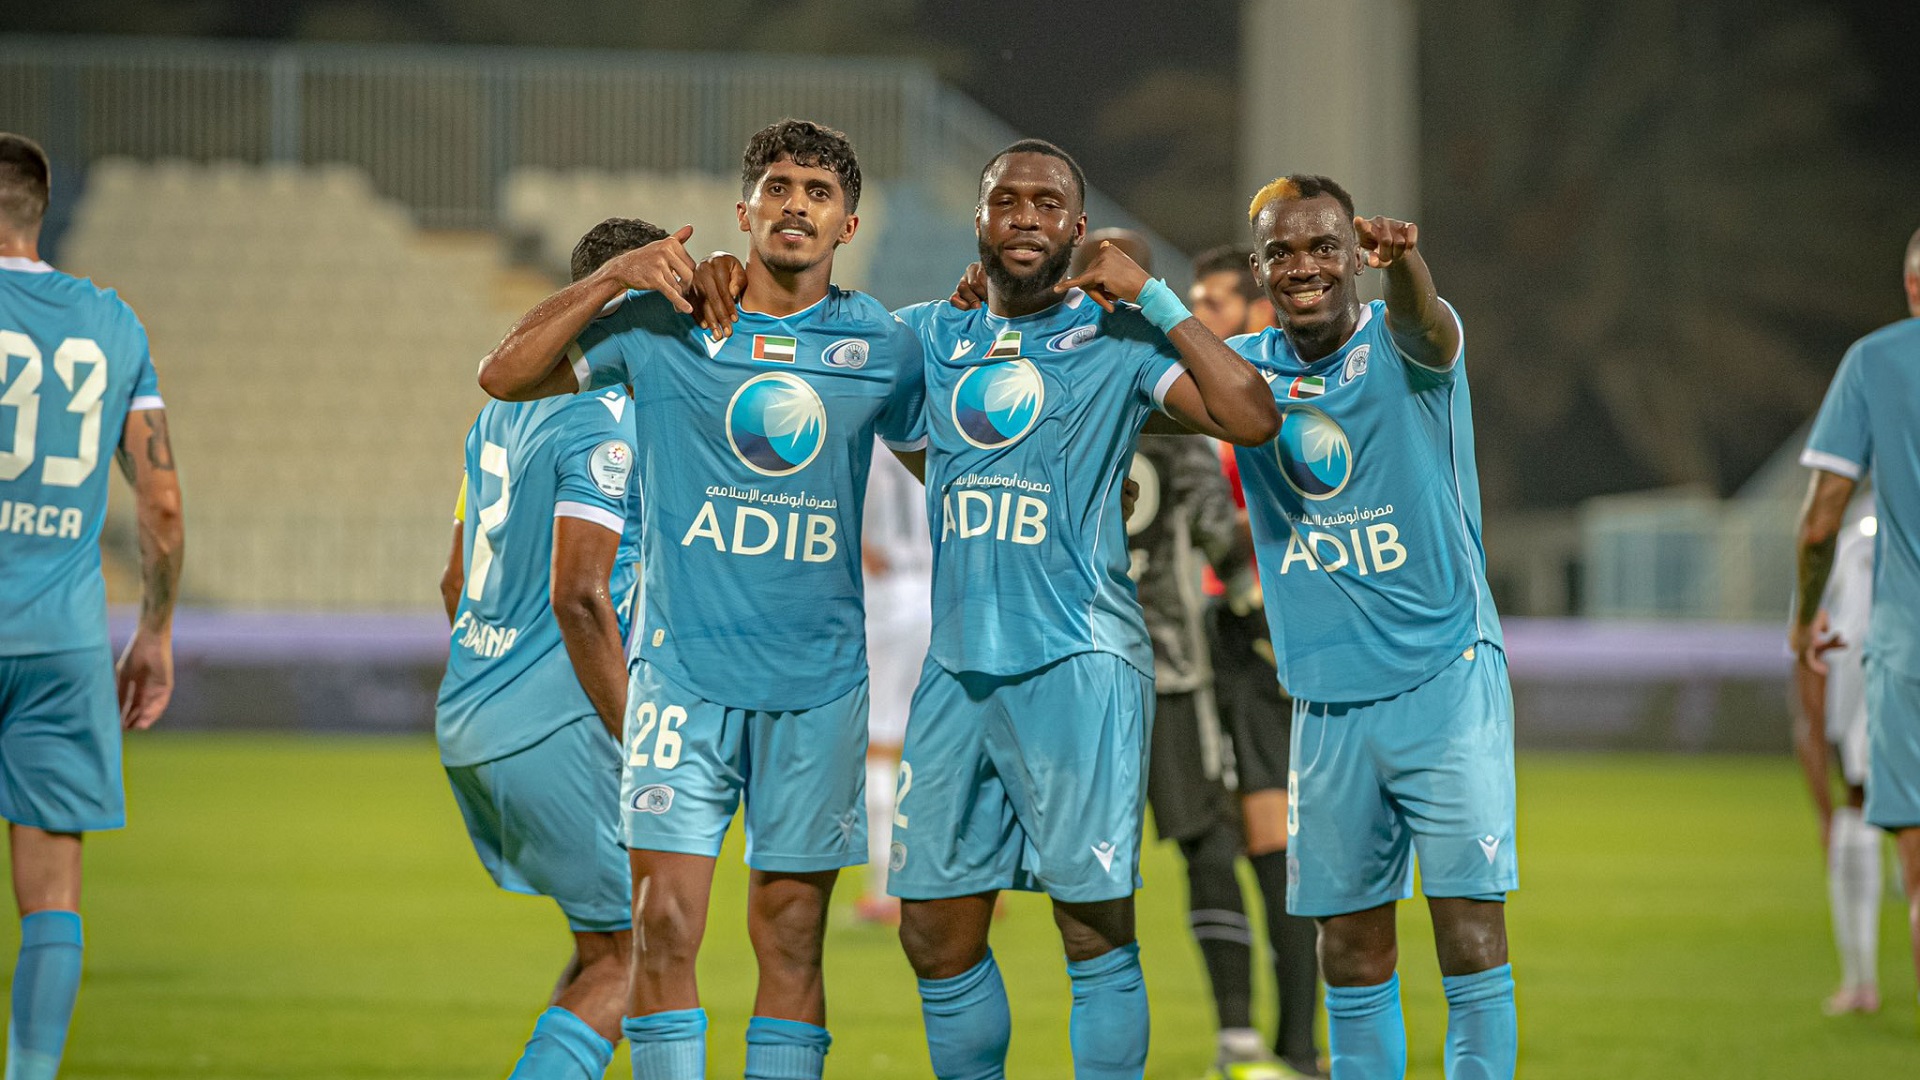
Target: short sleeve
(1159, 363)
(1842, 441)
(604, 353)
(1423, 375)
(903, 422)
(594, 467)
(146, 381)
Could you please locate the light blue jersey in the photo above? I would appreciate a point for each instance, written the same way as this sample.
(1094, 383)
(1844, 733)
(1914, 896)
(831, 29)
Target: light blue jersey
(755, 473)
(1366, 516)
(1869, 425)
(509, 681)
(73, 363)
(1032, 424)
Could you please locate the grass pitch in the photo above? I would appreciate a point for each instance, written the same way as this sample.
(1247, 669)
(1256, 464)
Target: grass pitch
(299, 907)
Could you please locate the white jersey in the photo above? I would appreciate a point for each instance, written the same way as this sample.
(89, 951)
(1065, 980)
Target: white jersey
(1849, 603)
(899, 606)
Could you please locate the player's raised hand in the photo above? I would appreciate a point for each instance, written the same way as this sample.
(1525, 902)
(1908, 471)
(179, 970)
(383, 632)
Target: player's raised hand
(662, 266)
(1385, 240)
(144, 680)
(1111, 276)
(972, 290)
(717, 284)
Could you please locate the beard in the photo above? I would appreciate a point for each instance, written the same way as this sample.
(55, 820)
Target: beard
(1019, 287)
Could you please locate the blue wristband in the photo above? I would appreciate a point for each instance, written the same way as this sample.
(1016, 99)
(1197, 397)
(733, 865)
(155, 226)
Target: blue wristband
(1161, 307)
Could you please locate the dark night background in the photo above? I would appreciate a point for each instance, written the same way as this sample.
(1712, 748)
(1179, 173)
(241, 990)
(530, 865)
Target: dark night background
(1663, 222)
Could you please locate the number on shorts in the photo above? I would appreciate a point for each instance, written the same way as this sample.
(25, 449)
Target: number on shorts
(900, 789)
(664, 726)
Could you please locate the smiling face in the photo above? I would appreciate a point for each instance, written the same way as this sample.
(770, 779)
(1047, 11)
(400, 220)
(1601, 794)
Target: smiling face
(1307, 257)
(1028, 222)
(797, 215)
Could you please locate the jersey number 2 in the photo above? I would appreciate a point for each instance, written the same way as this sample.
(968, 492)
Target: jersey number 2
(23, 395)
(493, 462)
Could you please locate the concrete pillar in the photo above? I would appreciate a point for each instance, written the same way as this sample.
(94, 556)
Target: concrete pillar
(1333, 88)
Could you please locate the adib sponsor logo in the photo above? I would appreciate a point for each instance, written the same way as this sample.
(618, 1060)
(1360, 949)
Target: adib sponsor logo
(995, 405)
(1315, 456)
(776, 424)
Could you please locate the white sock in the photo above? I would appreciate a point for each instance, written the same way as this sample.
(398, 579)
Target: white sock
(1853, 890)
(880, 780)
(1242, 1044)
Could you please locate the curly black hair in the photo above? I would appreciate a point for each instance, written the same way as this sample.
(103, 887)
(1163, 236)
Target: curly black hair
(805, 143)
(614, 236)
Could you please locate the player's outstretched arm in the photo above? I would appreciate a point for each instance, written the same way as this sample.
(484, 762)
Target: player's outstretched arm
(1420, 323)
(531, 361)
(583, 554)
(1820, 521)
(1221, 394)
(144, 674)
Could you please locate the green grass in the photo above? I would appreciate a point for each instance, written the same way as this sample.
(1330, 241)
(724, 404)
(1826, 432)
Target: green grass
(297, 907)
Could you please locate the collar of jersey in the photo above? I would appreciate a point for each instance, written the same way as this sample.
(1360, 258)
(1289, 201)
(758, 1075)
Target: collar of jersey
(1281, 353)
(1071, 302)
(808, 310)
(25, 266)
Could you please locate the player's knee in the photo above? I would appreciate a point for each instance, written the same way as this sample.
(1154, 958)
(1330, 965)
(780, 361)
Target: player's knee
(1469, 935)
(1357, 951)
(935, 949)
(1211, 860)
(1092, 930)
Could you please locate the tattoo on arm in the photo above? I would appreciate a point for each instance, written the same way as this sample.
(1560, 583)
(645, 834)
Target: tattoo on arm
(1816, 566)
(159, 447)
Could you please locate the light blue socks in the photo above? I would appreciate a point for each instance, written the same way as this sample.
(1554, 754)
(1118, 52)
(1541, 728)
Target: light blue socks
(668, 1045)
(968, 1023)
(1483, 1030)
(1366, 1034)
(1108, 1028)
(563, 1047)
(46, 981)
(785, 1049)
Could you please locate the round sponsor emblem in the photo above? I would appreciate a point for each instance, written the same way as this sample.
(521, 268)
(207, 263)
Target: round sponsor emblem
(610, 465)
(1314, 453)
(846, 353)
(653, 799)
(1356, 364)
(896, 856)
(1074, 338)
(995, 405)
(776, 424)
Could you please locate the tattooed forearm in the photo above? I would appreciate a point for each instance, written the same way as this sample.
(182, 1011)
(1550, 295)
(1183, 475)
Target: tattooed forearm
(159, 447)
(1816, 566)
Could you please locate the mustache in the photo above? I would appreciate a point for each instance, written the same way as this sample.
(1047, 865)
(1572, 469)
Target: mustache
(802, 224)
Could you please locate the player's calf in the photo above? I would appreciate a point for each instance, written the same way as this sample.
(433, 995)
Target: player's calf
(670, 893)
(787, 924)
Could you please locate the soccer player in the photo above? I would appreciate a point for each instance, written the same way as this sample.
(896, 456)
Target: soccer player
(1831, 728)
(1366, 519)
(1253, 706)
(898, 556)
(749, 667)
(1868, 426)
(530, 709)
(1027, 748)
(76, 383)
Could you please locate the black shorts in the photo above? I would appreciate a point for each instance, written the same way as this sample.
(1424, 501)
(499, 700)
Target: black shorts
(1257, 714)
(1186, 801)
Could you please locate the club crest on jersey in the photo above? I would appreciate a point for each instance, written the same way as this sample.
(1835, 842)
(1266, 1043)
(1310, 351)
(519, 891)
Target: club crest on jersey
(1007, 344)
(653, 799)
(850, 353)
(1314, 454)
(995, 405)
(1356, 364)
(1307, 386)
(776, 424)
(1070, 340)
(772, 349)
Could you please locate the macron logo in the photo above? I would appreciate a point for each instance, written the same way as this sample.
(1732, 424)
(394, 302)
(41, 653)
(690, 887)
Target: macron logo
(1489, 846)
(961, 349)
(1104, 852)
(616, 403)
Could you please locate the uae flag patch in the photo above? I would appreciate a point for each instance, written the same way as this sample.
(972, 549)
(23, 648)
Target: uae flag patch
(768, 349)
(1007, 344)
(1307, 386)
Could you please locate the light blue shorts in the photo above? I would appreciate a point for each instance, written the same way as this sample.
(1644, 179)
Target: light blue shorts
(60, 742)
(544, 822)
(1429, 771)
(1893, 748)
(802, 773)
(1034, 781)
